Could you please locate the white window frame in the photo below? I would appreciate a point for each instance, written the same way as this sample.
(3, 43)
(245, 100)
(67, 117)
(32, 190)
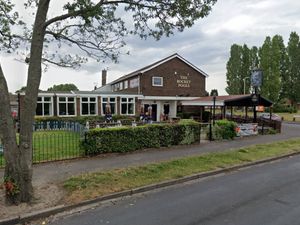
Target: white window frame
(127, 102)
(89, 102)
(66, 102)
(158, 85)
(102, 102)
(43, 106)
(125, 84)
(121, 86)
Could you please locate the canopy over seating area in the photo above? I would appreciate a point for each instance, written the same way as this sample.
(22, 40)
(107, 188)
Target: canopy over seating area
(225, 102)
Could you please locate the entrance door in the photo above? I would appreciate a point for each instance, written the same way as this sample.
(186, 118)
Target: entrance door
(153, 111)
(166, 111)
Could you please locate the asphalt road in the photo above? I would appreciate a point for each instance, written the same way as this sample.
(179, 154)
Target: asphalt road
(262, 195)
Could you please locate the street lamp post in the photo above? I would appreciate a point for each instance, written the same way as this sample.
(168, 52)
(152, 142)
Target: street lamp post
(214, 108)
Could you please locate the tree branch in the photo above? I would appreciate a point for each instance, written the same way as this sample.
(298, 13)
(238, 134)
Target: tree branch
(71, 14)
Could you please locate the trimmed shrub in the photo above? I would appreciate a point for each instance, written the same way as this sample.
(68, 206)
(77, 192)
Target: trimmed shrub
(127, 139)
(283, 108)
(224, 129)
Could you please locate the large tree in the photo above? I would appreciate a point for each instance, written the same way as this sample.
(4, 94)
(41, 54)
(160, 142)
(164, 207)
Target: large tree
(270, 63)
(63, 87)
(97, 28)
(293, 76)
(245, 70)
(234, 70)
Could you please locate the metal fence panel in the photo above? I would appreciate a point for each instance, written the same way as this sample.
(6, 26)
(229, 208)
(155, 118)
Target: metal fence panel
(54, 141)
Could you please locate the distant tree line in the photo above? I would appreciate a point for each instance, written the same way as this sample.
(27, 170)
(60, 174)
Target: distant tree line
(280, 65)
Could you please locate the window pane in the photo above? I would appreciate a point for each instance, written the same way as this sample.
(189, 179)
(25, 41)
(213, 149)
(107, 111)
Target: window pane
(130, 108)
(123, 108)
(130, 99)
(134, 83)
(84, 99)
(47, 99)
(113, 108)
(92, 108)
(39, 99)
(47, 109)
(157, 81)
(70, 99)
(92, 99)
(112, 99)
(84, 108)
(62, 109)
(103, 108)
(104, 99)
(62, 99)
(39, 109)
(124, 100)
(71, 108)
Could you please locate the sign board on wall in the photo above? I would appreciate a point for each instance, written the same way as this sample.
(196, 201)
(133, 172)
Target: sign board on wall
(247, 129)
(260, 108)
(183, 81)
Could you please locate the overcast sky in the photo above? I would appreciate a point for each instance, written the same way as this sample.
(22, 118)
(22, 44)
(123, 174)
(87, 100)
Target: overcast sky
(205, 45)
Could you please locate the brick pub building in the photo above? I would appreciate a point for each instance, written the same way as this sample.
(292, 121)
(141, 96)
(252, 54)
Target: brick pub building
(161, 85)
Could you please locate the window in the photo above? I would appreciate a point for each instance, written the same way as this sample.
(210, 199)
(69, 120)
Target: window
(116, 87)
(66, 106)
(127, 106)
(88, 106)
(121, 86)
(44, 106)
(157, 81)
(112, 103)
(134, 83)
(125, 84)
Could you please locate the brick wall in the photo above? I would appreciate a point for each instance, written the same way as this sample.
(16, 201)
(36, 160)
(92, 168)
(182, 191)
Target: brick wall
(179, 79)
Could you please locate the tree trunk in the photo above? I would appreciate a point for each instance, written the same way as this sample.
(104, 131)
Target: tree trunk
(19, 158)
(8, 135)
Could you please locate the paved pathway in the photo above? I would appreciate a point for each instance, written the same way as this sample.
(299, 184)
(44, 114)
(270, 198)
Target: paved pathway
(58, 171)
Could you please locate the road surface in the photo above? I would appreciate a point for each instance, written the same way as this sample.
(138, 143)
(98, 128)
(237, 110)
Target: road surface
(268, 194)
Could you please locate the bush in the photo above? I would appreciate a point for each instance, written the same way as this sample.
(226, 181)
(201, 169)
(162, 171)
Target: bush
(127, 139)
(224, 129)
(282, 108)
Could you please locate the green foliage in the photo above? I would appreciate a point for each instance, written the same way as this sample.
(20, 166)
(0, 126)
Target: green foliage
(126, 139)
(282, 108)
(293, 77)
(239, 68)
(63, 87)
(214, 92)
(280, 65)
(234, 70)
(270, 59)
(224, 129)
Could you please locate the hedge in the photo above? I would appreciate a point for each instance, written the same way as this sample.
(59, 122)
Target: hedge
(127, 139)
(224, 129)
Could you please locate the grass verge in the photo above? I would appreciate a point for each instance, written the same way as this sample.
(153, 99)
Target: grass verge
(91, 185)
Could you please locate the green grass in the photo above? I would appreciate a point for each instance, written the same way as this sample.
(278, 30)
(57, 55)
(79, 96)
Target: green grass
(54, 145)
(91, 185)
(289, 116)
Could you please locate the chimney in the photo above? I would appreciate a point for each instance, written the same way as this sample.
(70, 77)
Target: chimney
(104, 75)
